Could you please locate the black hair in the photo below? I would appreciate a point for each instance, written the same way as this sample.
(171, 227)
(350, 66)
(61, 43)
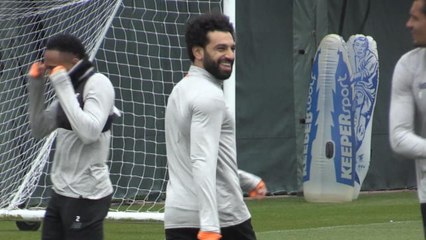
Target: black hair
(68, 43)
(424, 7)
(198, 27)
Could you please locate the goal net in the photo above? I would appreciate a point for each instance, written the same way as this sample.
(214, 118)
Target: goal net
(139, 45)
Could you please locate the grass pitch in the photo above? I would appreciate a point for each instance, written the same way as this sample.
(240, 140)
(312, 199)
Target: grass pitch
(373, 216)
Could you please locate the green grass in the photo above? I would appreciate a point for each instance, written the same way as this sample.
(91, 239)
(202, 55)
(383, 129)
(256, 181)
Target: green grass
(374, 216)
(379, 216)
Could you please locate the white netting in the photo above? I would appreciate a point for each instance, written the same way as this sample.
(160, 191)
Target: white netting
(139, 45)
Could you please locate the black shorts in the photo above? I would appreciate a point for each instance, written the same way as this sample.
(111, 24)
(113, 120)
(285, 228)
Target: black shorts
(75, 218)
(242, 231)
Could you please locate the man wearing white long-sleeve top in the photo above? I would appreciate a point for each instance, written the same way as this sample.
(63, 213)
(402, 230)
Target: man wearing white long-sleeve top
(204, 198)
(82, 114)
(407, 117)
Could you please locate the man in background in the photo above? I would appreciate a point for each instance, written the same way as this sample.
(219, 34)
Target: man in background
(407, 118)
(82, 115)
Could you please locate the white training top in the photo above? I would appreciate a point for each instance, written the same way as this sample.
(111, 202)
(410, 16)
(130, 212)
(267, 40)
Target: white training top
(203, 189)
(79, 167)
(407, 118)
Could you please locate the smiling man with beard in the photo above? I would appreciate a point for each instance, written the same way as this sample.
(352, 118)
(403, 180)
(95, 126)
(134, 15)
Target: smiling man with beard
(204, 199)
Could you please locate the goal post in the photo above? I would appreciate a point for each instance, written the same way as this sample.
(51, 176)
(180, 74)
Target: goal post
(229, 86)
(140, 46)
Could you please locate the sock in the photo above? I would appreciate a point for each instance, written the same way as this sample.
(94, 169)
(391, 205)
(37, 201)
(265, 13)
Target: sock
(423, 211)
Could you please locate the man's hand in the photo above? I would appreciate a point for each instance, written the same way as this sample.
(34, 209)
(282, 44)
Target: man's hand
(57, 69)
(208, 236)
(37, 70)
(58, 74)
(259, 191)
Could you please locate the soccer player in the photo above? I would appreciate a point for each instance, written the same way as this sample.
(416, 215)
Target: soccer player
(82, 114)
(407, 117)
(204, 199)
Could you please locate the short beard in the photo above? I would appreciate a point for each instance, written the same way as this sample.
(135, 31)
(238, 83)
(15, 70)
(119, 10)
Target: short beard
(213, 68)
(420, 45)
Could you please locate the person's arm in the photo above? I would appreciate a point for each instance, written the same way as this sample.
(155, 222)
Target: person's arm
(42, 121)
(207, 117)
(403, 139)
(371, 65)
(252, 184)
(88, 122)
